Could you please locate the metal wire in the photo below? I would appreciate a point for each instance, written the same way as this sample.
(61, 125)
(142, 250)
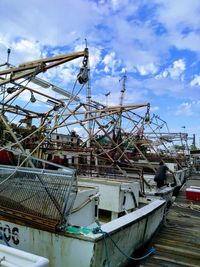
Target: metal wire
(34, 191)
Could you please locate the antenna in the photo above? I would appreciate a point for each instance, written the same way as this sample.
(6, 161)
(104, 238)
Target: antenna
(123, 89)
(85, 42)
(8, 56)
(106, 95)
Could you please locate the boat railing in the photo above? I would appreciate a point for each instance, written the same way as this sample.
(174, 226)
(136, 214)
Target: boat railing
(105, 171)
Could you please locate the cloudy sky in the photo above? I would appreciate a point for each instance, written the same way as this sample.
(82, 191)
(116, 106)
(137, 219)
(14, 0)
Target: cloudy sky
(156, 41)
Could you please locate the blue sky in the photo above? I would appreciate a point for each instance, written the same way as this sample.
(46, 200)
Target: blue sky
(156, 41)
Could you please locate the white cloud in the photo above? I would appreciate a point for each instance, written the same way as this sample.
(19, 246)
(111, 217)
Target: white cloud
(106, 69)
(102, 2)
(24, 45)
(108, 59)
(131, 40)
(65, 74)
(179, 64)
(196, 103)
(181, 20)
(166, 86)
(110, 62)
(115, 3)
(184, 109)
(135, 43)
(174, 72)
(155, 108)
(114, 23)
(128, 39)
(177, 69)
(179, 13)
(147, 69)
(133, 94)
(26, 50)
(60, 23)
(189, 41)
(22, 50)
(195, 81)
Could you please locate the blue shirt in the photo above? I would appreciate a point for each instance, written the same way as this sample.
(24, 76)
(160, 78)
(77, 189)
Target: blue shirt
(160, 174)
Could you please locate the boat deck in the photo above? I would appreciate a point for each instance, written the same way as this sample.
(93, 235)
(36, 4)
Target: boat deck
(178, 242)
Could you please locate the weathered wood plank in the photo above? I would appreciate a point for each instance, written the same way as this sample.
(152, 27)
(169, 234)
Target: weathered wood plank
(178, 242)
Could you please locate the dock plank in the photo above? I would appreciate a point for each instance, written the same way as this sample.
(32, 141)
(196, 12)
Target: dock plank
(177, 243)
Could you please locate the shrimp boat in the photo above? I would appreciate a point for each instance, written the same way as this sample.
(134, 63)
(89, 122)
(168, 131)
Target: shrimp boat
(46, 212)
(71, 200)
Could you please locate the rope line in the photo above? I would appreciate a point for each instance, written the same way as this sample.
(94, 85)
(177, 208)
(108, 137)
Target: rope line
(98, 230)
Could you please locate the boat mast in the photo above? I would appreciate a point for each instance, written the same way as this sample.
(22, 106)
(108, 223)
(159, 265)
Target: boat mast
(33, 68)
(119, 119)
(88, 99)
(30, 70)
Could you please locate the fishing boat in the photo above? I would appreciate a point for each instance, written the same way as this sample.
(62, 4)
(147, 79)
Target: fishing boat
(73, 201)
(16, 258)
(46, 212)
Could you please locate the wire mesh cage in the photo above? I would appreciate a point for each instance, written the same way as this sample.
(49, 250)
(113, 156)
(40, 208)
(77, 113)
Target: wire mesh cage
(47, 194)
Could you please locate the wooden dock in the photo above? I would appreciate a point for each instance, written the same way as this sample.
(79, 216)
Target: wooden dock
(177, 243)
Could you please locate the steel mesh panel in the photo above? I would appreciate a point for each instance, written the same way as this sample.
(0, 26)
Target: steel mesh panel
(43, 193)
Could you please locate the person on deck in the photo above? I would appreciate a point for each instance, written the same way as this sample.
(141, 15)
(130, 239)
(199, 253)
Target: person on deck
(160, 175)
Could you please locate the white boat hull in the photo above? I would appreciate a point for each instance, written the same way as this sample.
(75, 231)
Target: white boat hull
(12, 257)
(88, 250)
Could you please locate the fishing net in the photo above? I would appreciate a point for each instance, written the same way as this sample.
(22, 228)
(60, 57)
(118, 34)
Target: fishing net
(37, 193)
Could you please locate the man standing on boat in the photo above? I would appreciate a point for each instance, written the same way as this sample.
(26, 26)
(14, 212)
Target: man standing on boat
(160, 175)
